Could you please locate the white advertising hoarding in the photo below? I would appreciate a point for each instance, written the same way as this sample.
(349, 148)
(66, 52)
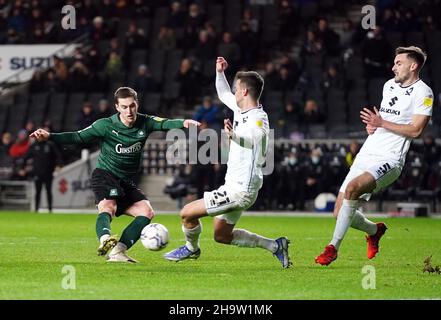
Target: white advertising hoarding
(22, 60)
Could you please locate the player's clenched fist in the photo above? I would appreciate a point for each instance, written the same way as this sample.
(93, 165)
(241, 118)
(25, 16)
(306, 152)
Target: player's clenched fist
(221, 64)
(40, 135)
(228, 127)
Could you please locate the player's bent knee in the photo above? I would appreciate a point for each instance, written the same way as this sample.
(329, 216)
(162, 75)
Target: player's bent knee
(185, 212)
(351, 191)
(108, 206)
(222, 238)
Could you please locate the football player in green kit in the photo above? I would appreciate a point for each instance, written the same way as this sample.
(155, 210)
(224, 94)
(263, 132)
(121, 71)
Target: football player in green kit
(122, 137)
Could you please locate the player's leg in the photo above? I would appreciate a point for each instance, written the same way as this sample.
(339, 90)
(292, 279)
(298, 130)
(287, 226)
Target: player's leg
(48, 185)
(224, 232)
(133, 203)
(359, 221)
(364, 183)
(143, 213)
(106, 189)
(106, 210)
(38, 185)
(192, 228)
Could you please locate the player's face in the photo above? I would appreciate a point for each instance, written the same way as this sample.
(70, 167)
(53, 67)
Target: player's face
(402, 68)
(127, 108)
(239, 92)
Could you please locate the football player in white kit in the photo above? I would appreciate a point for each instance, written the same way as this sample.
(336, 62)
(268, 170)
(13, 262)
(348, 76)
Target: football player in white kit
(248, 145)
(405, 110)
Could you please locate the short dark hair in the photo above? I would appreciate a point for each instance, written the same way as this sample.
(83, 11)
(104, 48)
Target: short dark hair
(252, 81)
(414, 53)
(125, 92)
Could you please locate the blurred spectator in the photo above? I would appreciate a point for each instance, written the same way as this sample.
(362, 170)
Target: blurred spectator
(377, 53)
(135, 38)
(205, 48)
(106, 10)
(290, 194)
(230, 50)
(100, 31)
(104, 110)
(354, 148)
(195, 17)
(409, 22)
(189, 80)
(176, 17)
(90, 10)
(78, 75)
(114, 66)
(5, 145)
(314, 174)
(45, 157)
(51, 82)
(37, 36)
(166, 39)
(30, 126)
(87, 116)
(333, 78)
(144, 81)
(270, 78)
(284, 80)
(248, 44)
(17, 20)
(330, 39)
(37, 83)
(249, 19)
(60, 69)
(289, 20)
(390, 21)
(346, 34)
(311, 114)
(431, 152)
(21, 146)
(139, 9)
(288, 120)
(189, 39)
(208, 112)
(13, 37)
(312, 45)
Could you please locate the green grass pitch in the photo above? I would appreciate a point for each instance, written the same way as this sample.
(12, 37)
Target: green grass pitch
(35, 247)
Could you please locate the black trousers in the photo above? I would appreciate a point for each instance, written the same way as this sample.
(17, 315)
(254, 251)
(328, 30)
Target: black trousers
(39, 181)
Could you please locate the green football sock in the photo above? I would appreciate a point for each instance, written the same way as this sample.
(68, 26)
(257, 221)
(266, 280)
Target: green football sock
(103, 224)
(132, 232)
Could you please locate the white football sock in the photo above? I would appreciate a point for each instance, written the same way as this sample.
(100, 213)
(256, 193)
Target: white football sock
(360, 222)
(244, 238)
(104, 237)
(344, 220)
(120, 247)
(192, 237)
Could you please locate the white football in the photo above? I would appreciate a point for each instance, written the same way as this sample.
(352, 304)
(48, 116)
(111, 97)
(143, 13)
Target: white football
(155, 236)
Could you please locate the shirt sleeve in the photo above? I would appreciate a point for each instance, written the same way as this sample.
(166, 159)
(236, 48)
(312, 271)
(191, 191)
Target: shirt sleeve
(163, 124)
(423, 102)
(224, 92)
(93, 132)
(258, 129)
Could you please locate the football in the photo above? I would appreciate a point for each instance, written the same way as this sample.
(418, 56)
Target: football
(155, 236)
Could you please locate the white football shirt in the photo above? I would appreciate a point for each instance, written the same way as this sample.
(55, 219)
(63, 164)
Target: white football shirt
(249, 144)
(399, 104)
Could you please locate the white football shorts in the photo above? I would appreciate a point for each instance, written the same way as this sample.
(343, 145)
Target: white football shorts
(227, 204)
(385, 173)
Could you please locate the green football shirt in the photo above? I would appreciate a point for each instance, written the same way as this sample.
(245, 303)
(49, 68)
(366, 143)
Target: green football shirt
(121, 146)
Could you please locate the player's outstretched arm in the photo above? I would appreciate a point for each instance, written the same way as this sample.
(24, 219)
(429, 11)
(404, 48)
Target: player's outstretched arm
(40, 135)
(222, 87)
(191, 122)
